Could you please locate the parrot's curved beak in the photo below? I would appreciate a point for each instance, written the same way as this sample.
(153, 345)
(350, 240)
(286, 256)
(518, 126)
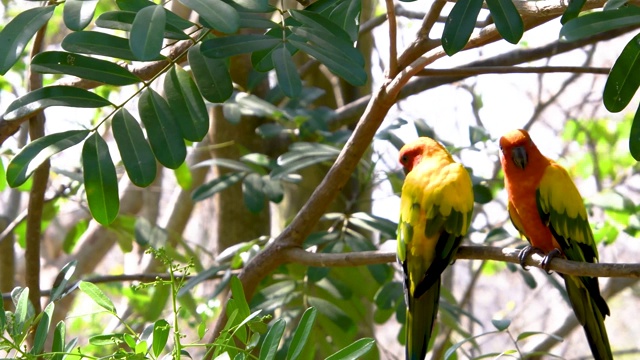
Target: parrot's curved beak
(519, 156)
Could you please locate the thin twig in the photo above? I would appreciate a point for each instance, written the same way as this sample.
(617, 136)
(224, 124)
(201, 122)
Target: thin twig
(484, 70)
(393, 38)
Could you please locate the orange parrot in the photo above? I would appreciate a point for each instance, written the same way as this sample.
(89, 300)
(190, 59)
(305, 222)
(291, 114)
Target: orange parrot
(546, 207)
(435, 213)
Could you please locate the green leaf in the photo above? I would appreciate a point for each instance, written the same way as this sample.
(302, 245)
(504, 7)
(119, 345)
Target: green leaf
(273, 190)
(146, 33)
(323, 51)
(17, 33)
(187, 104)
(62, 279)
(223, 47)
(99, 43)
(100, 180)
(134, 149)
(217, 14)
(160, 335)
(211, 75)
(527, 334)
(57, 95)
(634, 136)
(623, 81)
(572, 11)
(459, 25)
(216, 185)
(507, 19)
(77, 14)
(501, 325)
(163, 131)
(347, 15)
(254, 198)
(482, 194)
(20, 315)
(136, 5)
(286, 72)
(60, 62)
(354, 75)
(97, 296)
(238, 295)
(333, 313)
(301, 334)
(122, 20)
(225, 163)
(321, 25)
(255, 21)
(58, 343)
(38, 151)
(388, 294)
(597, 22)
(73, 235)
(272, 340)
(107, 339)
(356, 350)
(183, 176)
(42, 330)
(261, 6)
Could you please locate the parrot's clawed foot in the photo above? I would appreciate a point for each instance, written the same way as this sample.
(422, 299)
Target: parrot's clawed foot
(547, 259)
(522, 257)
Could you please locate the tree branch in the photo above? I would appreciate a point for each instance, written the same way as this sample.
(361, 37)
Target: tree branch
(303, 257)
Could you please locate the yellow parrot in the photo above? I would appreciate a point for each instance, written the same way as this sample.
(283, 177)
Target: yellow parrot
(435, 213)
(546, 207)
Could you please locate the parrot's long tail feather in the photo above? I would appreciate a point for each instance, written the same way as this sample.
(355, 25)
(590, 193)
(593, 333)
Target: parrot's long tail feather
(590, 314)
(421, 316)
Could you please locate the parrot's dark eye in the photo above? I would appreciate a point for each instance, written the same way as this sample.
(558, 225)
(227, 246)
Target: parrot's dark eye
(404, 159)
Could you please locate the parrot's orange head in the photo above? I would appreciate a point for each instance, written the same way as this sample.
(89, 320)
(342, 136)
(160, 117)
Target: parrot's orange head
(517, 147)
(412, 153)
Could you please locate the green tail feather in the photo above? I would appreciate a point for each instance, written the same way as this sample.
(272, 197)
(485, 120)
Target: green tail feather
(590, 312)
(421, 315)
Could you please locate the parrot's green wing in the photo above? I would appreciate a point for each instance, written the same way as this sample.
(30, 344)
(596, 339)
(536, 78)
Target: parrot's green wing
(436, 206)
(561, 208)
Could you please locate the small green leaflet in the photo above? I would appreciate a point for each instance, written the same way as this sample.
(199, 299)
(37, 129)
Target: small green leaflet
(134, 149)
(287, 72)
(100, 180)
(77, 14)
(459, 25)
(301, 335)
(634, 136)
(572, 11)
(99, 43)
(598, 22)
(53, 96)
(17, 33)
(97, 295)
(507, 19)
(61, 62)
(623, 80)
(122, 20)
(163, 131)
(146, 34)
(135, 5)
(36, 152)
(223, 47)
(217, 14)
(187, 104)
(211, 75)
